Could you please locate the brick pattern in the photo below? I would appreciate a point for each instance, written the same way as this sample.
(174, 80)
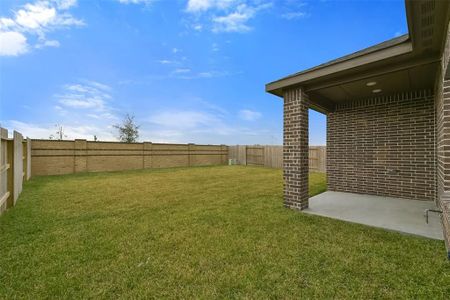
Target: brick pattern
(443, 137)
(295, 149)
(384, 146)
(443, 143)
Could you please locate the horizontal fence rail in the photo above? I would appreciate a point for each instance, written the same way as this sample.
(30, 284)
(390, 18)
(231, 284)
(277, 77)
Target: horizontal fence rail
(272, 156)
(15, 167)
(51, 157)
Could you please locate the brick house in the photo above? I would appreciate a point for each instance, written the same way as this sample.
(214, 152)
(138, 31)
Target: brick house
(388, 116)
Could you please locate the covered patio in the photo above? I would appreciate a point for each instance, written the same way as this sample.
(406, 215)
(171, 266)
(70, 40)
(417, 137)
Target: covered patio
(396, 214)
(388, 129)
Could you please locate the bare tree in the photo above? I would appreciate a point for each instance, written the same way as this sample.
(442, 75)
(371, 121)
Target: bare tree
(59, 134)
(128, 130)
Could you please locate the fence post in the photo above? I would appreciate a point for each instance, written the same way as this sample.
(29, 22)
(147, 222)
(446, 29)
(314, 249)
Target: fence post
(190, 148)
(10, 172)
(223, 154)
(18, 164)
(264, 155)
(25, 159)
(4, 170)
(245, 155)
(269, 161)
(147, 155)
(80, 159)
(143, 155)
(28, 175)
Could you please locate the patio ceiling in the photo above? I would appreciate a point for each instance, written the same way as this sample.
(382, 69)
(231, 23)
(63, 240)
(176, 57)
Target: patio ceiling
(405, 63)
(413, 78)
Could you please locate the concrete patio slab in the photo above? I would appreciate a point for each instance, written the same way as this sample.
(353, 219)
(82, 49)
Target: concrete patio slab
(396, 214)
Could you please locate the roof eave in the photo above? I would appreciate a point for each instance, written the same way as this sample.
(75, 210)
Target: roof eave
(276, 87)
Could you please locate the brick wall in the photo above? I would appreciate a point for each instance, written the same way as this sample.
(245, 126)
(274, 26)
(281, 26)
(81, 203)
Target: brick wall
(65, 157)
(384, 146)
(443, 141)
(295, 149)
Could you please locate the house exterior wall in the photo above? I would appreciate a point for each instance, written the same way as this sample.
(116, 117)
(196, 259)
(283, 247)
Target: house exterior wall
(384, 146)
(443, 142)
(443, 156)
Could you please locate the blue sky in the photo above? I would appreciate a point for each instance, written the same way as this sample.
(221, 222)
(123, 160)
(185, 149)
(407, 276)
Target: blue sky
(189, 70)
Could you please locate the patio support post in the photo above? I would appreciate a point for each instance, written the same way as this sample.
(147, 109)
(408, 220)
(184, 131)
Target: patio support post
(295, 149)
(443, 158)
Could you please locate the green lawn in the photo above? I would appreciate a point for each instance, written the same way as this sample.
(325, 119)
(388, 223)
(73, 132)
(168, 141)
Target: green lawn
(211, 232)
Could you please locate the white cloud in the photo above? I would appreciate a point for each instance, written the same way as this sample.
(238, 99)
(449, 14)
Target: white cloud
(98, 85)
(48, 43)
(135, 1)
(211, 74)
(197, 27)
(103, 116)
(188, 75)
(293, 15)
(61, 111)
(183, 126)
(183, 119)
(198, 5)
(199, 121)
(192, 121)
(34, 16)
(72, 102)
(181, 71)
(36, 20)
(167, 62)
(89, 95)
(224, 15)
(71, 131)
(235, 21)
(84, 109)
(12, 43)
(195, 6)
(206, 123)
(66, 4)
(294, 10)
(249, 115)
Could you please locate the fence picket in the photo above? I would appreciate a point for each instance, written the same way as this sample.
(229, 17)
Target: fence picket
(14, 169)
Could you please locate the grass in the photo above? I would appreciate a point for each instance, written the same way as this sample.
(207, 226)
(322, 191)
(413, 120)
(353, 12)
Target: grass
(212, 232)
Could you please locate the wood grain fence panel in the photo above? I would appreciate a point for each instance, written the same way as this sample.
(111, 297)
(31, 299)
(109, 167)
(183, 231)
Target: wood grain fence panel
(14, 167)
(18, 164)
(272, 156)
(4, 166)
(27, 165)
(255, 155)
(238, 153)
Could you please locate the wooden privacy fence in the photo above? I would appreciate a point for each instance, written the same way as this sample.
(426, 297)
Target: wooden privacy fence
(51, 157)
(15, 167)
(272, 156)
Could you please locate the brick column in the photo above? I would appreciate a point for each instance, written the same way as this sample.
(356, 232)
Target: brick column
(80, 160)
(295, 149)
(443, 158)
